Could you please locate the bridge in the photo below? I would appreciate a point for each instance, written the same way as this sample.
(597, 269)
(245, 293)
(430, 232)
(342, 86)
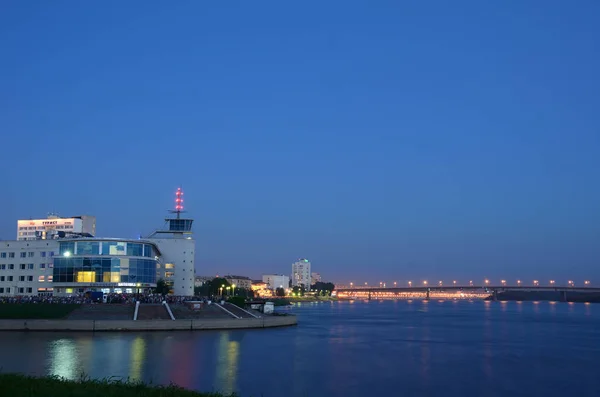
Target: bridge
(452, 291)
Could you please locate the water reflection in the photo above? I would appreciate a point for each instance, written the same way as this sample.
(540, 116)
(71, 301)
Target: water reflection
(64, 359)
(138, 354)
(227, 364)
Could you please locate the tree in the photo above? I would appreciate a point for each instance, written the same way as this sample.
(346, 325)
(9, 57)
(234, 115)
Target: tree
(218, 286)
(298, 291)
(324, 288)
(279, 292)
(161, 287)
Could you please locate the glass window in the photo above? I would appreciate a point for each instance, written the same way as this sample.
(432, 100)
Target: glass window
(30, 266)
(135, 249)
(169, 266)
(10, 278)
(85, 277)
(88, 248)
(67, 246)
(2, 267)
(50, 278)
(113, 248)
(1, 278)
(11, 254)
(22, 266)
(29, 290)
(21, 278)
(41, 279)
(29, 278)
(148, 251)
(30, 254)
(3, 255)
(23, 254)
(42, 265)
(43, 254)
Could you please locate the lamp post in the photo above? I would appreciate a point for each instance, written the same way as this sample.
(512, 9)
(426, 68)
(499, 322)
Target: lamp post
(233, 289)
(410, 284)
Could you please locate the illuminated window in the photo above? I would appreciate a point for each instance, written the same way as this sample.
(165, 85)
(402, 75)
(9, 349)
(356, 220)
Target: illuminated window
(169, 266)
(85, 277)
(111, 277)
(69, 290)
(50, 279)
(169, 274)
(41, 279)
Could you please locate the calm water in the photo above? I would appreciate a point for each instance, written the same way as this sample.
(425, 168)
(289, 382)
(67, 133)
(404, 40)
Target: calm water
(349, 349)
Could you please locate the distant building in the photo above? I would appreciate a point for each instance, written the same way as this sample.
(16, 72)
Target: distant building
(315, 278)
(199, 281)
(260, 289)
(239, 281)
(301, 273)
(26, 267)
(54, 227)
(274, 281)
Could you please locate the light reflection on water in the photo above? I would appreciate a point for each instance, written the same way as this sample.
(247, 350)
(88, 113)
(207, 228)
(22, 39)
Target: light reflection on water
(348, 348)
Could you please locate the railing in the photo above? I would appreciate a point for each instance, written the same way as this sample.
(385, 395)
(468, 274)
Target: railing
(137, 308)
(169, 310)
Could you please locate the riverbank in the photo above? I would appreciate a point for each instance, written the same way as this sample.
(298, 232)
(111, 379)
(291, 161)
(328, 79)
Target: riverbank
(18, 385)
(298, 299)
(571, 296)
(148, 325)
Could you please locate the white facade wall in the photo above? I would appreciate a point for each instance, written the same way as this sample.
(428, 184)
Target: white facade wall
(26, 267)
(301, 273)
(275, 281)
(177, 257)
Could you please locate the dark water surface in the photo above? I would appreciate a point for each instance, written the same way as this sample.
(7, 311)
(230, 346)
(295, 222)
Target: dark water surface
(349, 349)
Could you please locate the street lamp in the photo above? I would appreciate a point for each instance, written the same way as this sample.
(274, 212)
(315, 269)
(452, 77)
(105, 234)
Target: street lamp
(536, 283)
(519, 282)
(586, 282)
(233, 289)
(570, 283)
(425, 282)
(395, 284)
(351, 284)
(471, 283)
(454, 282)
(503, 282)
(551, 282)
(440, 283)
(410, 283)
(487, 281)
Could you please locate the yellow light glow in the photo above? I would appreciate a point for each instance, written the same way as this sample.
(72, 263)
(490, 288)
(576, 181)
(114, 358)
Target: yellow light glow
(85, 277)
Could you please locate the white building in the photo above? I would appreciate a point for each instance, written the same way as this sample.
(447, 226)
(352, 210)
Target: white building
(315, 278)
(53, 226)
(301, 273)
(274, 281)
(26, 267)
(239, 281)
(177, 246)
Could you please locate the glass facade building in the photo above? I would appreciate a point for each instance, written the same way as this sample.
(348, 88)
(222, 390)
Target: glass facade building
(106, 264)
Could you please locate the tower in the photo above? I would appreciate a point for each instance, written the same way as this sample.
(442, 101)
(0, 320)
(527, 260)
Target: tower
(177, 247)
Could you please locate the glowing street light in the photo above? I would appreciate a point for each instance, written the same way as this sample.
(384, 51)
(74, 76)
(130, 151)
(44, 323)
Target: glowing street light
(440, 283)
(487, 281)
(351, 284)
(395, 284)
(519, 282)
(586, 282)
(233, 289)
(410, 283)
(571, 283)
(552, 282)
(425, 282)
(454, 282)
(503, 282)
(536, 283)
(471, 283)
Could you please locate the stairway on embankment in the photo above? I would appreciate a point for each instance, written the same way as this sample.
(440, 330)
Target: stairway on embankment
(152, 311)
(239, 312)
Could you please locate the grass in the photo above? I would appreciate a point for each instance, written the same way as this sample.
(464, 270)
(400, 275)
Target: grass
(30, 311)
(17, 385)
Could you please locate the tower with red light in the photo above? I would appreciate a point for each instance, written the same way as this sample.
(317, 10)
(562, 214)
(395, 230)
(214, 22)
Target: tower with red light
(176, 244)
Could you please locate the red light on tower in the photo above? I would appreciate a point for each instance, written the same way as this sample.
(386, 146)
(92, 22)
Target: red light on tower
(179, 200)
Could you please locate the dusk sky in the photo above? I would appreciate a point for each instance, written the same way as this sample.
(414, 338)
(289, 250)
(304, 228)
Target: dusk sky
(383, 140)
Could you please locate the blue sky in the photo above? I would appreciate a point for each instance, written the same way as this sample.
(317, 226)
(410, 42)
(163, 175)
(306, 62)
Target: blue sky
(382, 140)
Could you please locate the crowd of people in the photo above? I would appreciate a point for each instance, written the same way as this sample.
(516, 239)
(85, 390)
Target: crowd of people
(112, 298)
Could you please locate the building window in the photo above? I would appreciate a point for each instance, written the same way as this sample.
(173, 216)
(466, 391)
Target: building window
(30, 254)
(1, 278)
(29, 290)
(11, 254)
(2, 267)
(11, 266)
(51, 254)
(3, 255)
(50, 265)
(169, 274)
(42, 265)
(21, 290)
(30, 266)
(23, 254)
(85, 277)
(88, 248)
(29, 278)
(22, 266)
(1, 290)
(41, 279)
(21, 278)
(43, 254)
(8, 290)
(169, 266)
(50, 279)
(67, 247)
(9, 278)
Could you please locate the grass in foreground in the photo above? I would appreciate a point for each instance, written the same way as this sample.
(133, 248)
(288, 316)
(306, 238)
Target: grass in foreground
(30, 311)
(17, 385)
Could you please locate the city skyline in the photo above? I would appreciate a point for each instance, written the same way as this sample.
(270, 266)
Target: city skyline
(398, 142)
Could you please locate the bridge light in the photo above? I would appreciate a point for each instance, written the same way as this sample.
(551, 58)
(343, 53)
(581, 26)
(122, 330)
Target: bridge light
(351, 284)
(570, 283)
(503, 282)
(519, 282)
(440, 283)
(425, 282)
(395, 283)
(454, 282)
(487, 281)
(551, 282)
(586, 282)
(536, 283)
(410, 283)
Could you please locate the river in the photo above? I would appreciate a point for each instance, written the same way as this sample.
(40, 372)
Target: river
(377, 348)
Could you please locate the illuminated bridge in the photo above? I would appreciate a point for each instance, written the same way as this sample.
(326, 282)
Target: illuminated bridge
(470, 291)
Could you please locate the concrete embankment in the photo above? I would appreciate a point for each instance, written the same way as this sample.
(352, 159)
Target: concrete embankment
(147, 325)
(569, 296)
